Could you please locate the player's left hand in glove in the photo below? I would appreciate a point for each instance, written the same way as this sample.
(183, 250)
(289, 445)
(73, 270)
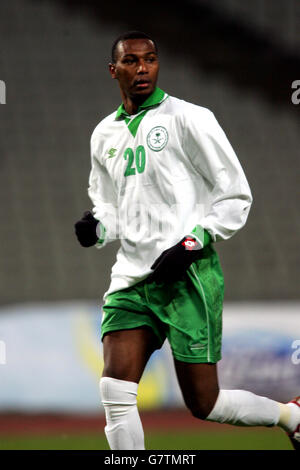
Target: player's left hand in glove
(85, 230)
(173, 262)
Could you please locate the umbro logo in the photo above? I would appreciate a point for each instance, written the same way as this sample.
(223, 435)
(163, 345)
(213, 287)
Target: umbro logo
(197, 346)
(111, 153)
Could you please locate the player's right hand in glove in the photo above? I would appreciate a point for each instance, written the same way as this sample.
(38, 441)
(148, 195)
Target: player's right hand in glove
(173, 262)
(85, 230)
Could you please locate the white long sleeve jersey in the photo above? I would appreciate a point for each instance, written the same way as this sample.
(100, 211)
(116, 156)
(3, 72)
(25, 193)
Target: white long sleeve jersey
(156, 176)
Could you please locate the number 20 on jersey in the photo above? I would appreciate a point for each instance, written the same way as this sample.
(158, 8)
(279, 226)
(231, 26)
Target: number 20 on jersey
(135, 160)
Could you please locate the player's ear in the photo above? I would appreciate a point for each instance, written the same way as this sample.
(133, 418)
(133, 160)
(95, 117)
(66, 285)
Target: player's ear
(112, 70)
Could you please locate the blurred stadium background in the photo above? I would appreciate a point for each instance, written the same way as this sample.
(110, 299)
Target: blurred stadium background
(237, 58)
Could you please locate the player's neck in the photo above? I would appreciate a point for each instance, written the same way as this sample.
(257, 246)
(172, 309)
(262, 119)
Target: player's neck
(131, 105)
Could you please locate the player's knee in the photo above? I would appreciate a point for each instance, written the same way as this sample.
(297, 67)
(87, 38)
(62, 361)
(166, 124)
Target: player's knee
(201, 408)
(118, 394)
(199, 412)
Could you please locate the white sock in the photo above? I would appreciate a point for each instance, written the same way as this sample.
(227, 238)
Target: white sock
(243, 408)
(123, 428)
(289, 416)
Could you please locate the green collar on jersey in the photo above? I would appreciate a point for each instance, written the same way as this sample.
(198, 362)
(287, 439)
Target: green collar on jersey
(155, 99)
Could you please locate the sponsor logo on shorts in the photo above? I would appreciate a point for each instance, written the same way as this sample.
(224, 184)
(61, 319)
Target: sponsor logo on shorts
(197, 346)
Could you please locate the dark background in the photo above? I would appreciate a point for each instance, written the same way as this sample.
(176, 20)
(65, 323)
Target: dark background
(237, 58)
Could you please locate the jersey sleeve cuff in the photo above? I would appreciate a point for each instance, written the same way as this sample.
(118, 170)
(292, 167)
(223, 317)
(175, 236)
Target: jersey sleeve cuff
(201, 236)
(101, 232)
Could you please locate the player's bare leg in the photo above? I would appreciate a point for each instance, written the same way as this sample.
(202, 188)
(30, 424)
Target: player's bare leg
(201, 393)
(199, 386)
(126, 353)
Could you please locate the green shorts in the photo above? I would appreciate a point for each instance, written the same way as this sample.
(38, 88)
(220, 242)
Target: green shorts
(187, 312)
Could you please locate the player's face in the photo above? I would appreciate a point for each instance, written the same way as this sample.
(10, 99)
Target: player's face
(136, 67)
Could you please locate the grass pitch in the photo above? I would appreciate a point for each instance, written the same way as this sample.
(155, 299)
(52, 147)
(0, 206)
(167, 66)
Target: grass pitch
(244, 439)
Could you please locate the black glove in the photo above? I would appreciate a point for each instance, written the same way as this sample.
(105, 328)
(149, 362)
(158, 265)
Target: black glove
(173, 262)
(85, 230)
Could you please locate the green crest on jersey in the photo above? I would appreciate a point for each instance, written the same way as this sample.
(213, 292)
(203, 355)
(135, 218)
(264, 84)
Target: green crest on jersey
(157, 138)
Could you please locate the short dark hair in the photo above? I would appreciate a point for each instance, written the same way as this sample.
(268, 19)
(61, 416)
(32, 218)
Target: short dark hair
(130, 35)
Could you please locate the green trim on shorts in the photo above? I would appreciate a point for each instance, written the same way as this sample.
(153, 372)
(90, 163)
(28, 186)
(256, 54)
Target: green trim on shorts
(197, 359)
(187, 312)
